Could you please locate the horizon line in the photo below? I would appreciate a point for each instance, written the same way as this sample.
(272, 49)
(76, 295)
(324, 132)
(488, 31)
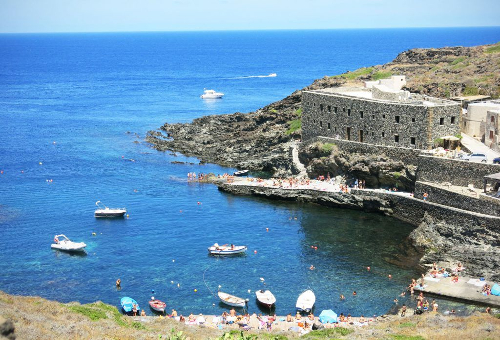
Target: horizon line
(250, 30)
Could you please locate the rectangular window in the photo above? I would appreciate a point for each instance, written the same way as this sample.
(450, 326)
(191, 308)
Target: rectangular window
(361, 136)
(329, 108)
(441, 121)
(491, 135)
(328, 126)
(396, 138)
(349, 112)
(321, 123)
(373, 116)
(335, 109)
(412, 141)
(383, 134)
(361, 114)
(348, 133)
(343, 109)
(321, 107)
(397, 119)
(373, 133)
(413, 120)
(383, 116)
(453, 120)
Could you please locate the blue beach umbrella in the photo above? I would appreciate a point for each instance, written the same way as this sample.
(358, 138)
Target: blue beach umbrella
(328, 316)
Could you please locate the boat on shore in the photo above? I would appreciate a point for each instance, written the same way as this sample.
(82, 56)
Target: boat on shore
(265, 298)
(241, 173)
(226, 249)
(157, 305)
(61, 242)
(306, 301)
(128, 305)
(104, 211)
(212, 94)
(231, 300)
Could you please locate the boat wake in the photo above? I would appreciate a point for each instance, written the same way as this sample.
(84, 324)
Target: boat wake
(271, 75)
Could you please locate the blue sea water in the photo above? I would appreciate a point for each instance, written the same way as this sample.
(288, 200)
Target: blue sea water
(74, 109)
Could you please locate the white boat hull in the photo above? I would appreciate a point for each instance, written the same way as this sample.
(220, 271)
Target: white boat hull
(306, 301)
(227, 250)
(265, 297)
(110, 212)
(231, 300)
(69, 246)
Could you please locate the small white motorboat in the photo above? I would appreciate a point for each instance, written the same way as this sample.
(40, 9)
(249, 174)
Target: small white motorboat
(226, 249)
(265, 297)
(104, 211)
(306, 301)
(272, 75)
(231, 300)
(241, 173)
(211, 94)
(61, 242)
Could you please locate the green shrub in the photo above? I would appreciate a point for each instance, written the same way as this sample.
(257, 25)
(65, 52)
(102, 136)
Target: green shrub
(273, 111)
(381, 75)
(471, 91)
(355, 74)
(176, 335)
(439, 142)
(93, 314)
(493, 49)
(396, 174)
(407, 324)
(295, 125)
(327, 333)
(327, 147)
(459, 136)
(299, 112)
(406, 337)
(458, 60)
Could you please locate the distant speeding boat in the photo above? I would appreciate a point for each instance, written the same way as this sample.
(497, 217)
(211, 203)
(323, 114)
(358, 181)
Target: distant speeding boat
(265, 297)
(272, 75)
(211, 94)
(226, 250)
(108, 212)
(231, 300)
(306, 301)
(61, 242)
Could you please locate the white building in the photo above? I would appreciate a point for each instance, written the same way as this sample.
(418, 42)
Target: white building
(474, 119)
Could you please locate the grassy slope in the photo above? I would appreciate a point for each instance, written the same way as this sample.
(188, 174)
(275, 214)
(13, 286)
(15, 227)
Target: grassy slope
(35, 317)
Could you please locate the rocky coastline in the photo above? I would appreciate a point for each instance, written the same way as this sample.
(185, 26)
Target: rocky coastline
(265, 140)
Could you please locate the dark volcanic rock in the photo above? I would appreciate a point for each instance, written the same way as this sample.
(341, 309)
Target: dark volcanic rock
(476, 247)
(6, 329)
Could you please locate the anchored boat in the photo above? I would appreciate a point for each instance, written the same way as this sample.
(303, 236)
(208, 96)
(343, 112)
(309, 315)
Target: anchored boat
(226, 249)
(306, 301)
(265, 297)
(129, 305)
(211, 94)
(104, 211)
(231, 300)
(61, 242)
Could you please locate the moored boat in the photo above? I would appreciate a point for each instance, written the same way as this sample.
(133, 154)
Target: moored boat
(231, 300)
(104, 211)
(306, 301)
(61, 242)
(157, 305)
(129, 305)
(265, 297)
(241, 173)
(226, 249)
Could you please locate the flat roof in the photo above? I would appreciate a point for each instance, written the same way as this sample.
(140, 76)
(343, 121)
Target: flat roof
(363, 93)
(470, 98)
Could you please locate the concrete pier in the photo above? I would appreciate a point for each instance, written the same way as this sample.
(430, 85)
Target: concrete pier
(463, 290)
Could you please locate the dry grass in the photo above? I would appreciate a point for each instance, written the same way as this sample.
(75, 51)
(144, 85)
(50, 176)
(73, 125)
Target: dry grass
(37, 318)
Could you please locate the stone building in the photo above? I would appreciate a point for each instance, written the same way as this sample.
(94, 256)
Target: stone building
(492, 128)
(379, 114)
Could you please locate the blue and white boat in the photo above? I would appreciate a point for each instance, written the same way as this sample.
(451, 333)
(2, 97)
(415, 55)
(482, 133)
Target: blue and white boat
(128, 304)
(226, 249)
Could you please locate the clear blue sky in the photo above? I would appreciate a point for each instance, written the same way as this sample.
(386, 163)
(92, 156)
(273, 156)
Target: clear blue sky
(198, 15)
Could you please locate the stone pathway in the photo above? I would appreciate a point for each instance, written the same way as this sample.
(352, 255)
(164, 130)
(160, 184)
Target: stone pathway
(296, 162)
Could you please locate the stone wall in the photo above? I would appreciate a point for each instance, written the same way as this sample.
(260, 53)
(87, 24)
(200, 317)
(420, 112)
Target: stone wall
(405, 155)
(456, 172)
(389, 123)
(440, 195)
